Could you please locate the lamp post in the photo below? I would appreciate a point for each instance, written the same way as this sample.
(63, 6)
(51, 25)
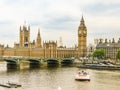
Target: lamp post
(114, 53)
(107, 51)
(114, 50)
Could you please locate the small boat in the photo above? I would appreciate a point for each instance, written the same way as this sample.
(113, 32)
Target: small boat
(82, 76)
(10, 85)
(59, 88)
(14, 85)
(5, 85)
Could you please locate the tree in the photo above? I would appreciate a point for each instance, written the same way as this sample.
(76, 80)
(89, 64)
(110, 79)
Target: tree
(118, 54)
(99, 53)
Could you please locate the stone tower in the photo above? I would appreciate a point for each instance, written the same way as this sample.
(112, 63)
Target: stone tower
(50, 49)
(24, 36)
(38, 40)
(82, 36)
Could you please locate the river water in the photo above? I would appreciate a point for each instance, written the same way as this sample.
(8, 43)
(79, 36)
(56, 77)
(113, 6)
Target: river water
(50, 78)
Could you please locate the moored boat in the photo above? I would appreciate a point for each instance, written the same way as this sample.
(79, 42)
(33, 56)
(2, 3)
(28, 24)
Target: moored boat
(82, 76)
(10, 85)
(14, 85)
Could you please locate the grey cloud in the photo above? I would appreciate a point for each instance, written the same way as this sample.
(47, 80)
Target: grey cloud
(102, 8)
(5, 22)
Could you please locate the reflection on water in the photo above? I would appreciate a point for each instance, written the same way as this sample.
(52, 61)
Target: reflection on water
(49, 78)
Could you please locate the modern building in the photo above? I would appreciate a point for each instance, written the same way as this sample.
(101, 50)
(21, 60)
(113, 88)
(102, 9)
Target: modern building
(46, 49)
(111, 47)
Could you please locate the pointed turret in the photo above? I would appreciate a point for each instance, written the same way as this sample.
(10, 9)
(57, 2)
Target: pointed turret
(82, 19)
(29, 28)
(38, 40)
(20, 28)
(38, 32)
(113, 40)
(82, 23)
(119, 40)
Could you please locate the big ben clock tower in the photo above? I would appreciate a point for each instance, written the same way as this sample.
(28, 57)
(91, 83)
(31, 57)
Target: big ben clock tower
(82, 36)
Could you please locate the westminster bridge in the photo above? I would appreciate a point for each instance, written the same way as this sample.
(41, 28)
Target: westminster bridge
(21, 63)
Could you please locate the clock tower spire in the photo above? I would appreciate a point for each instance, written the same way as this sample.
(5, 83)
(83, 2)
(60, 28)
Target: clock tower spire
(82, 39)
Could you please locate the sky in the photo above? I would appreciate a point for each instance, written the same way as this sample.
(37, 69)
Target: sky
(59, 18)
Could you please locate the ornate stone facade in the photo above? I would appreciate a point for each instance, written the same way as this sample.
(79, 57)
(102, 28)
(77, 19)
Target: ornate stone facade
(49, 49)
(82, 35)
(111, 47)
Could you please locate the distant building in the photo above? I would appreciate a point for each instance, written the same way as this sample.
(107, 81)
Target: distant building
(90, 50)
(111, 47)
(46, 49)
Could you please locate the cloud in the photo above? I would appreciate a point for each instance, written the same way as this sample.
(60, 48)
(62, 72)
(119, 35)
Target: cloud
(57, 18)
(103, 8)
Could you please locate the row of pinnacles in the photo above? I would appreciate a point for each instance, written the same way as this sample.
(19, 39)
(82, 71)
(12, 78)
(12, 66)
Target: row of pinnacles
(46, 49)
(100, 41)
(111, 47)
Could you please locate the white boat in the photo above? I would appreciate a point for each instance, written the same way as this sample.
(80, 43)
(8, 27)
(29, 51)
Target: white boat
(82, 76)
(59, 88)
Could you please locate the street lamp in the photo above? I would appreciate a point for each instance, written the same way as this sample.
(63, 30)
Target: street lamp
(114, 50)
(107, 51)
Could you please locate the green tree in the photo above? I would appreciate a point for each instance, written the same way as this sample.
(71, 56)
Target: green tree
(118, 54)
(99, 53)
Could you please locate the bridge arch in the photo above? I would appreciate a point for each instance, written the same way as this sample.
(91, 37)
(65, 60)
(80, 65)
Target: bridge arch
(34, 63)
(11, 63)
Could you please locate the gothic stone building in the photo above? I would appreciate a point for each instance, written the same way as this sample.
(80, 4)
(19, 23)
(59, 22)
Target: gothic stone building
(110, 47)
(47, 49)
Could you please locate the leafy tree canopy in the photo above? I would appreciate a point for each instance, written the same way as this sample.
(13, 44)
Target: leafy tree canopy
(99, 53)
(118, 54)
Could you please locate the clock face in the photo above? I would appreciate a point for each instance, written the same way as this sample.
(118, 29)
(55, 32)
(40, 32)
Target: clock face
(84, 32)
(79, 32)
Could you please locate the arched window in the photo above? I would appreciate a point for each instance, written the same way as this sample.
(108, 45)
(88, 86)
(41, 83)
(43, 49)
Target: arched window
(26, 39)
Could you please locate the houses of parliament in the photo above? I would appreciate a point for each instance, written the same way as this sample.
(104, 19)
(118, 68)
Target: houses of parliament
(46, 49)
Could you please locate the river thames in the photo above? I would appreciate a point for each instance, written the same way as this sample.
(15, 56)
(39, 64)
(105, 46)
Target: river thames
(50, 78)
